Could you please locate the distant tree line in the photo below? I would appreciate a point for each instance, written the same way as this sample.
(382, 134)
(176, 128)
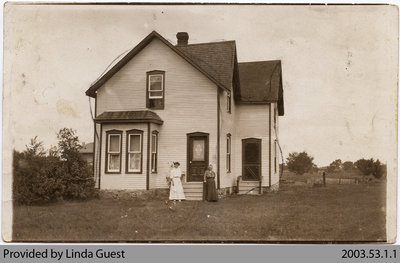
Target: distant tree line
(41, 176)
(301, 163)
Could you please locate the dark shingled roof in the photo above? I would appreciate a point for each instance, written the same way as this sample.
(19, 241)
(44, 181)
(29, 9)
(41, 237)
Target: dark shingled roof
(261, 82)
(216, 58)
(129, 116)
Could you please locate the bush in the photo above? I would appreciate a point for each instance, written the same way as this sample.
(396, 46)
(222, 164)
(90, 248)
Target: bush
(299, 163)
(38, 178)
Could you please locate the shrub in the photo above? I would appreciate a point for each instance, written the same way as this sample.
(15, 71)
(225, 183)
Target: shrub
(38, 178)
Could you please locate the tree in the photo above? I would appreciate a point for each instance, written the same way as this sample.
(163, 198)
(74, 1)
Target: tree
(365, 166)
(348, 166)
(370, 166)
(35, 148)
(299, 163)
(335, 166)
(78, 177)
(68, 143)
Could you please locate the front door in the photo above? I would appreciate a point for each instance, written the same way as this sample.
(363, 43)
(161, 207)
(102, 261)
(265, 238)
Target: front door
(197, 155)
(251, 159)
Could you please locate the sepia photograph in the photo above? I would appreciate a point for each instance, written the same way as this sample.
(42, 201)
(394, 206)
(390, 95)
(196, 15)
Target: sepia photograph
(200, 123)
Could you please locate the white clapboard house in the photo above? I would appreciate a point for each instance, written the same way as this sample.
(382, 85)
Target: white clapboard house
(191, 103)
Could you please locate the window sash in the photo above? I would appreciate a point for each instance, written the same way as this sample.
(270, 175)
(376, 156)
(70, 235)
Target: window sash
(228, 103)
(137, 155)
(228, 153)
(113, 164)
(156, 91)
(109, 143)
(154, 146)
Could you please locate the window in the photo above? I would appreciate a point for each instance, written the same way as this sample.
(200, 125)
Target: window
(275, 158)
(228, 152)
(134, 151)
(228, 102)
(113, 156)
(154, 145)
(155, 89)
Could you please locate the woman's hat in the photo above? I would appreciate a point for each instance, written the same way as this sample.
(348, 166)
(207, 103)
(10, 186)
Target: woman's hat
(177, 163)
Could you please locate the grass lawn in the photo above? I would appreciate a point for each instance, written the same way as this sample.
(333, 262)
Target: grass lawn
(294, 213)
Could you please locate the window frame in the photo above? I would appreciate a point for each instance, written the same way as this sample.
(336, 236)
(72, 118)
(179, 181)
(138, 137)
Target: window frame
(153, 169)
(128, 152)
(150, 74)
(228, 102)
(228, 153)
(107, 162)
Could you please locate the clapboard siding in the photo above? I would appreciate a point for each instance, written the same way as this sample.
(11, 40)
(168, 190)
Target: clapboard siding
(190, 106)
(227, 124)
(123, 180)
(252, 121)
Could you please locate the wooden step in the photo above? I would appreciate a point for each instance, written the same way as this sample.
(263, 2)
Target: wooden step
(246, 186)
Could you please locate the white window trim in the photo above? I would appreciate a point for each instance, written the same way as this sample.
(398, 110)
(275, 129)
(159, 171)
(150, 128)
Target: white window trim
(162, 86)
(109, 153)
(131, 152)
(154, 138)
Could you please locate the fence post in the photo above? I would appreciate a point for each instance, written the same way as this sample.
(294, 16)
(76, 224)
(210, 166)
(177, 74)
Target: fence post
(323, 178)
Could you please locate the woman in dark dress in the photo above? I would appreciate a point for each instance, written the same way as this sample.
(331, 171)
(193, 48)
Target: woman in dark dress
(210, 189)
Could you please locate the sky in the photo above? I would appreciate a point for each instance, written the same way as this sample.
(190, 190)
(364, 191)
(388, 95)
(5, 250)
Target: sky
(339, 67)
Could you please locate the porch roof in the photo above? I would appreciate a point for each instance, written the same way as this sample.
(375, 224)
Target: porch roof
(129, 116)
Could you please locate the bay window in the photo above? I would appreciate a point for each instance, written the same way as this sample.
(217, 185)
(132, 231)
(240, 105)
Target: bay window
(134, 151)
(113, 155)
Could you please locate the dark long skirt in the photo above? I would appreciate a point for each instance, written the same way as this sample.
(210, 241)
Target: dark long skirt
(210, 190)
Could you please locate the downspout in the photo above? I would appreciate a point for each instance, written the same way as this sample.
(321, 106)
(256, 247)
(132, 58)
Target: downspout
(148, 158)
(269, 128)
(218, 139)
(101, 135)
(95, 136)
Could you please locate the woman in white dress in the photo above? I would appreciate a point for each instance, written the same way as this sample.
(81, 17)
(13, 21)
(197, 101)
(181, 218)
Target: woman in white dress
(176, 191)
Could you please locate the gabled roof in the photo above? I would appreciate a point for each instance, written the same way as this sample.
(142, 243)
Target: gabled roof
(129, 116)
(261, 83)
(202, 66)
(217, 58)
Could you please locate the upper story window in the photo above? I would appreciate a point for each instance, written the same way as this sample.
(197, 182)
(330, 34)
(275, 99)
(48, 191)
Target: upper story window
(113, 155)
(155, 89)
(228, 102)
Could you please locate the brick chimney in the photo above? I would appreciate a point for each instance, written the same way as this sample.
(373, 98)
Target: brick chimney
(183, 38)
